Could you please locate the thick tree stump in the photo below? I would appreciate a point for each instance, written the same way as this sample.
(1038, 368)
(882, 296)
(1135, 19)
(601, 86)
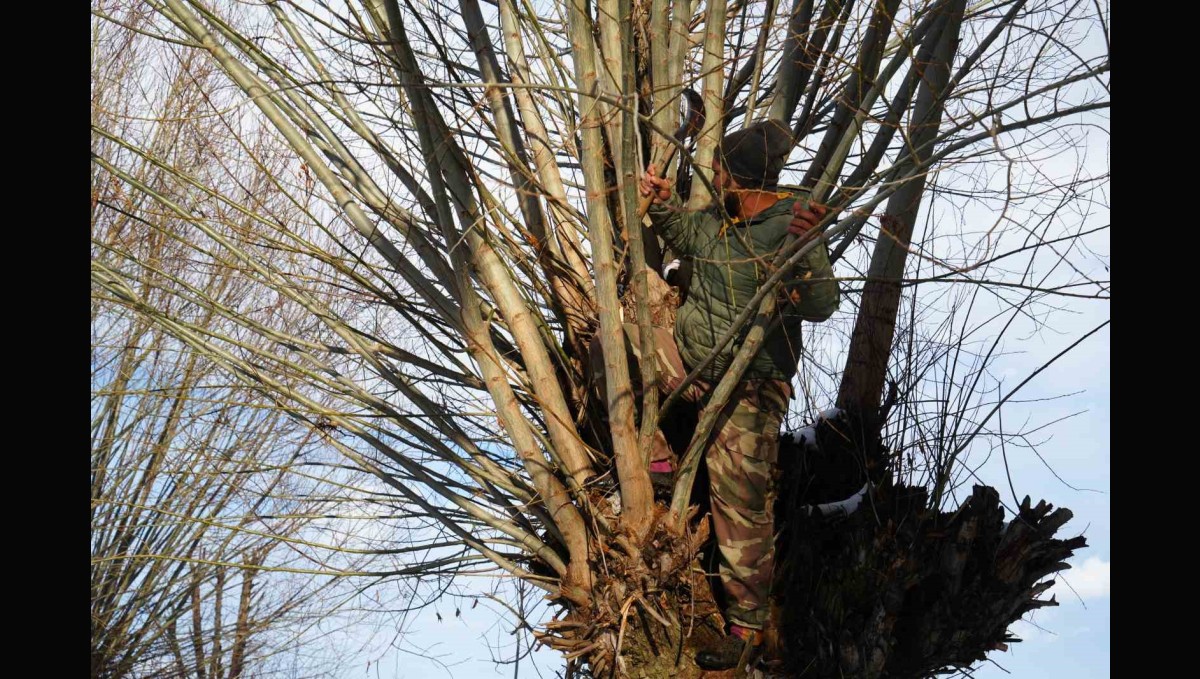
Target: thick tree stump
(896, 589)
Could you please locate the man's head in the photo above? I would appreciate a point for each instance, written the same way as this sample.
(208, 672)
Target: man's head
(752, 158)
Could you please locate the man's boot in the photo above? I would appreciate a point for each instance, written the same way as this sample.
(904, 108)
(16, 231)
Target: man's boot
(662, 467)
(729, 652)
(662, 478)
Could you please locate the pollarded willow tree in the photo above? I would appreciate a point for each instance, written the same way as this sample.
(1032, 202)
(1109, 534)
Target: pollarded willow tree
(465, 176)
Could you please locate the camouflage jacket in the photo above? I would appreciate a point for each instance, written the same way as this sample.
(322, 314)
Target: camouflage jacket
(729, 263)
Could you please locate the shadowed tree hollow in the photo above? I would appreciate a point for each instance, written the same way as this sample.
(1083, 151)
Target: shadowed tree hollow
(455, 226)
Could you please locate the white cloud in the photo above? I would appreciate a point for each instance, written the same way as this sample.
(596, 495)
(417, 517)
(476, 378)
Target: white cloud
(1089, 581)
(1035, 627)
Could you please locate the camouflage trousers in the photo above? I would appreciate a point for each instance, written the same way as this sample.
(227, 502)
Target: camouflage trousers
(741, 469)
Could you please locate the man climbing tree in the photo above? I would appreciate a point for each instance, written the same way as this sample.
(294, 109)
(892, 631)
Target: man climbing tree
(732, 243)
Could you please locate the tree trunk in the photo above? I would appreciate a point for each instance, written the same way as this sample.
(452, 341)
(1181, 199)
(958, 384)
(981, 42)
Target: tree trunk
(875, 326)
(896, 589)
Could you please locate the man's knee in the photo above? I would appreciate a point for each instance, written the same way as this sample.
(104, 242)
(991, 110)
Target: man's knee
(742, 483)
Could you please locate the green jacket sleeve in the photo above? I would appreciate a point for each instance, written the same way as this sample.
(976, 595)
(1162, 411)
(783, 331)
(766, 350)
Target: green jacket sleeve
(813, 290)
(681, 228)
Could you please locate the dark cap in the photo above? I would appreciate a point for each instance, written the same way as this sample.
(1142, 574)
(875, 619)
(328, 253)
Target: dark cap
(755, 155)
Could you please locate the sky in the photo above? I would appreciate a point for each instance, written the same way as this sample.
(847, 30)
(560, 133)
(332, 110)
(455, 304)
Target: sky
(1072, 640)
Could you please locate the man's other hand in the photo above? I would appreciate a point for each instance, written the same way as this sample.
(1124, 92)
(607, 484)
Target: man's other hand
(652, 184)
(805, 216)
